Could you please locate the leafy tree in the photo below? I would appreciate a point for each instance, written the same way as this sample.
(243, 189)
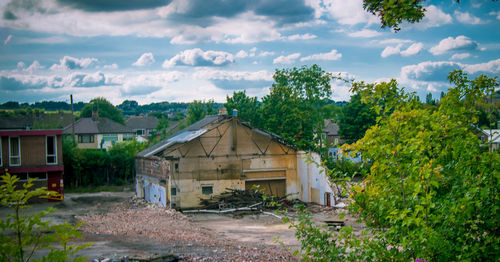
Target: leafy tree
(248, 107)
(199, 109)
(21, 235)
(129, 107)
(293, 108)
(355, 119)
(429, 100)
(393, 13)
(432, 191)
(104, 108)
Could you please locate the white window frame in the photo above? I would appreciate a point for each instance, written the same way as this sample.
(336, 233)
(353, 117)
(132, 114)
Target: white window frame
(19, 151)
(47, 151)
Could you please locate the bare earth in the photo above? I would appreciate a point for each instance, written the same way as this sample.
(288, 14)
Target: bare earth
(118, 226)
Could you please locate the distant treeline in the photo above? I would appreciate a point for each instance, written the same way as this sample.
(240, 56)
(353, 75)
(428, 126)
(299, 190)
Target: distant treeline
(128, 107)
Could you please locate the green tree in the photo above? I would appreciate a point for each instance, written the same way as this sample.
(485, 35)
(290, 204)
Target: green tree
(248, 107)
(21, 235)
(104, 108)
(199, 109)
(293, 108)
(355, 119)
(393, 13)
(432, 191)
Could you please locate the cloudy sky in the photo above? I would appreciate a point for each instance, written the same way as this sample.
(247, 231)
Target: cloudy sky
(181, 50)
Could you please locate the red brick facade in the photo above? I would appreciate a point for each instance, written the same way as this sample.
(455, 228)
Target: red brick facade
(38, 154)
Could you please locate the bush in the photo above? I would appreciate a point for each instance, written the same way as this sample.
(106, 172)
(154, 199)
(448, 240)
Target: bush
(21, 235)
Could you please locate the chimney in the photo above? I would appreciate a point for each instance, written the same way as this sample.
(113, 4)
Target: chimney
(95, 115)
(222, 111)
(235, 112)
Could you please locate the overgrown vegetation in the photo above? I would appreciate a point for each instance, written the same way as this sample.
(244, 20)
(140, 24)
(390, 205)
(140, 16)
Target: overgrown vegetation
(432, 191)
(22, 235)
(93, 167)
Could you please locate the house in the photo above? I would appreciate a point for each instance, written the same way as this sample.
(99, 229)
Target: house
(33, 154)
(98, 132)
(142, 125)
(331, 134)
(220, 152)
(490, 136)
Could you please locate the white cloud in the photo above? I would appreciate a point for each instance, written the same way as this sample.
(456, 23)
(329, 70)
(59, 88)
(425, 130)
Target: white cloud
(365, 33)
(198, 57)
(349, 12)
(497, 14)
(332, 55)
(241, 54)
(33, 67)
(146, 59)
(302, 37)
(266, 53)
(460, 56)
(211, 74)
(391, 50)
(492, 66)
(112, 66)
(453, 44)
(467, 18)
(434, 17)
(413, 49)
(286, 60)
(429, 71)
(20, 65)
(71, 63)
(7, 40)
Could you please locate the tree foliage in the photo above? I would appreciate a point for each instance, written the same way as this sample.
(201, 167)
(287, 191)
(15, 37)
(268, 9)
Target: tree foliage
(293, 109)
(197, 110)
(104, 108)
(355, 119)
(432, 190)
(248, 107)
(22, 236)
(393, 13)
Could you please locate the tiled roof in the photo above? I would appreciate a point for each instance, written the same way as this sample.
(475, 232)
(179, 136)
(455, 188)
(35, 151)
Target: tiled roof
(144, 122)
(102, 126)
(331, 129)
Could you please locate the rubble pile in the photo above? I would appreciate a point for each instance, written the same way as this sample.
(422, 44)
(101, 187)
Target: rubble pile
(233, 198)
(193, 243)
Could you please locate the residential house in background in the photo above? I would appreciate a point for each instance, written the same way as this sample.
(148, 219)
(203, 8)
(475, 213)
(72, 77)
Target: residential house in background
(98, 132)
(331, 136)
(34, 154)
(490, 136)
(220, 152)
(142, 125)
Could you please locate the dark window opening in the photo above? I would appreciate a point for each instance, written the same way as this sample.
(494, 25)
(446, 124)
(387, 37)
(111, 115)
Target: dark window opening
(51, 150)
(173, 191)
(85, 139)
(207, 190)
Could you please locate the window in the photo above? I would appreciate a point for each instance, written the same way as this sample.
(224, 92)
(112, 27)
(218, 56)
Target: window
(140, 132)
(51, 148)
(207, 190)
(176, 167)
(128, 136)
(39, 176)
(1, 151)
(173, 191)
(14, 151)
(85, 138)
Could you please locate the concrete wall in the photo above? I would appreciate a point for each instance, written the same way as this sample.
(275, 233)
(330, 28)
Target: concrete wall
(313, 180)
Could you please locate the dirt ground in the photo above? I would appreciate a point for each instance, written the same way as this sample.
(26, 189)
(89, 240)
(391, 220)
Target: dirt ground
(119, 226)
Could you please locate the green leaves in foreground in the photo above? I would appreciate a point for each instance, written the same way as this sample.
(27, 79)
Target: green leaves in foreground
(22, 235)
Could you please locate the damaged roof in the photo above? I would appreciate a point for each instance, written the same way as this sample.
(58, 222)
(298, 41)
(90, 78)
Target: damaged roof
(197, 129)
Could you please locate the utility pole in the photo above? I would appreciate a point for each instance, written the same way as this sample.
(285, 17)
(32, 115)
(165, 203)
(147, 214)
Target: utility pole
(72, 119)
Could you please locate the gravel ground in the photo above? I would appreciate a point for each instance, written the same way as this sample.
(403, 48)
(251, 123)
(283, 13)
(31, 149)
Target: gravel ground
(136, 222)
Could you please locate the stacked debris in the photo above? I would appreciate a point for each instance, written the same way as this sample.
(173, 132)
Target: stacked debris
(233, 198)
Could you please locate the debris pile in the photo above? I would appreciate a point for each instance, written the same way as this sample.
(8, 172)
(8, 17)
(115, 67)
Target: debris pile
(233, 198)
(131, 223)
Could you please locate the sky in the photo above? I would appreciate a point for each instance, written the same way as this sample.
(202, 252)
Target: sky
(182, 50)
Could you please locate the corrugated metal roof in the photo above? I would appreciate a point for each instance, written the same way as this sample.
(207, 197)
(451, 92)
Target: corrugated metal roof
(187, 136)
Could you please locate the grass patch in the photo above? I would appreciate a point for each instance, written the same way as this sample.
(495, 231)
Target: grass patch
(94, 189)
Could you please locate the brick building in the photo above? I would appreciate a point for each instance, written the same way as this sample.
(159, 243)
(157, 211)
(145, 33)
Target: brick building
(34, 154)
